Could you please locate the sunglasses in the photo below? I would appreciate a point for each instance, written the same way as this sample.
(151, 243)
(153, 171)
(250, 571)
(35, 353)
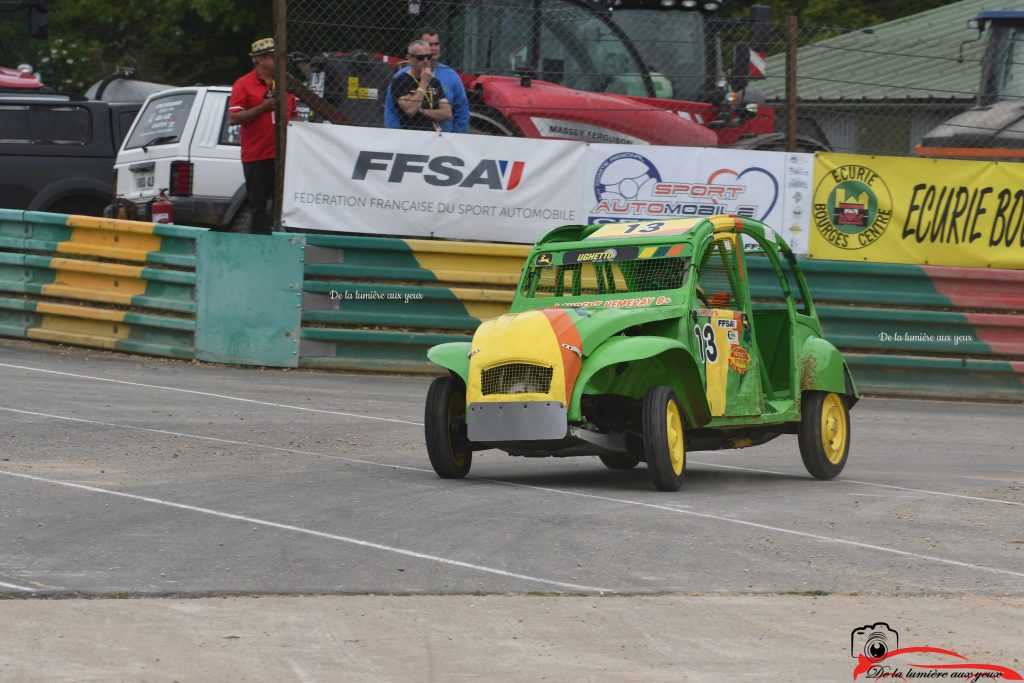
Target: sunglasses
(421, 57)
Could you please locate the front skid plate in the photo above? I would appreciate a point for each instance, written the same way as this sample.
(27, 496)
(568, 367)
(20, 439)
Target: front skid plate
(516, 421)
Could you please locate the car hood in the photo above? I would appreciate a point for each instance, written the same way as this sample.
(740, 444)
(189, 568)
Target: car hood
(594, 325)
(558, 338)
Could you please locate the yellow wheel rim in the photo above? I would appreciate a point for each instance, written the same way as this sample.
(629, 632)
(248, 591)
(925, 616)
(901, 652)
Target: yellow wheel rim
(456, 410)
(674, 434)
(835, 429)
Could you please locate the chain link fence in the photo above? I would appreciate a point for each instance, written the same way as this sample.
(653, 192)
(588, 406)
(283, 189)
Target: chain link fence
(874, 91)
(655, 71)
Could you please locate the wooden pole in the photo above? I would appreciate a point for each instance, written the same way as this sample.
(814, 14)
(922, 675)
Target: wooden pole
(281, 107)
(791, 43)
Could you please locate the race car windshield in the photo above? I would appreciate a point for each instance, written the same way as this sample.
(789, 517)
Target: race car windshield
(597, 277)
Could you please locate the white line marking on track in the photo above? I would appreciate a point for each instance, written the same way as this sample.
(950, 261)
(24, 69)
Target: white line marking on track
(420, 424)
(844, 480)
(816, 537)
(420, 469)
(861, 494)
(310, 532)
(827, 539)
(671, 507)
(211, 395)
(328, 455)
(215, 439)
(17, 587)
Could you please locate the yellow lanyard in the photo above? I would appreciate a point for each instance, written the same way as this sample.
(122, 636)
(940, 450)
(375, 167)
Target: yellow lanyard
(271, 86)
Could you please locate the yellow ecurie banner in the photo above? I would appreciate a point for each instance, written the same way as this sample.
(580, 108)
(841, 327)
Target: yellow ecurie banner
(919, 211)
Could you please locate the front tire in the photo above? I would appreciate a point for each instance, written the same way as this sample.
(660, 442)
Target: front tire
(444, 426)
(824, 435)
(664, 444)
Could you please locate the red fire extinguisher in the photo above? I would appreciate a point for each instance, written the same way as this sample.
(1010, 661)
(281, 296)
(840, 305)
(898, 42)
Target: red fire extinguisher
(163, 210)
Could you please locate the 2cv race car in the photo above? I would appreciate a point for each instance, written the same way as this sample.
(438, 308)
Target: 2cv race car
(638, 342)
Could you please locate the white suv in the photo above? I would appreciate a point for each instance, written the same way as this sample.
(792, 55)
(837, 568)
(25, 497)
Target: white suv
(181, 141)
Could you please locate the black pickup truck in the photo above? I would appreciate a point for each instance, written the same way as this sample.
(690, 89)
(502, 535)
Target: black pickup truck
(57, 151)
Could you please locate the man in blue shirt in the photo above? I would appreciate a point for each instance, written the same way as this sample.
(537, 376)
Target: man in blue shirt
(449, 79)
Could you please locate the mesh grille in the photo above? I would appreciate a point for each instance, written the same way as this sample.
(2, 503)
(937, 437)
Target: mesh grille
(516, 378)
(717, 282)
(619, 277)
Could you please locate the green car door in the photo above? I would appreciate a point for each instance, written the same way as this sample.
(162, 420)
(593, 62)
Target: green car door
(721, 330)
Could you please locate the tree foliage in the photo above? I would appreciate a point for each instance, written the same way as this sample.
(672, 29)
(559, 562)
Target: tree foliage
(179, 42)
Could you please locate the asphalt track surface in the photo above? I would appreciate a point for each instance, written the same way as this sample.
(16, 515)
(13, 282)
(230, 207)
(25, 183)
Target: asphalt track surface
(123, 475)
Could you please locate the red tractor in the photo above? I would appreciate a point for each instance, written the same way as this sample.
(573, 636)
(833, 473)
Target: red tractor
(644, 71)
(619, 71)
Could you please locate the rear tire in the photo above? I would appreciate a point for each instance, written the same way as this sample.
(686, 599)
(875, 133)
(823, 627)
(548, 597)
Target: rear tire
(664, 444)
(620, 461)
(444, 426)
(824, 434)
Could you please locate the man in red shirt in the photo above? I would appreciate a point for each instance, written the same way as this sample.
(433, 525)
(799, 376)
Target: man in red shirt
(253, 98)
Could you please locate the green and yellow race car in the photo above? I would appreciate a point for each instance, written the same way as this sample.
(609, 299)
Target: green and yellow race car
(638, 342)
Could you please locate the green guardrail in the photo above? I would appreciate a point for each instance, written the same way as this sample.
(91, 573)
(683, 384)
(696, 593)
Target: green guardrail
(148, 288)
(378, 304)
(121, 285)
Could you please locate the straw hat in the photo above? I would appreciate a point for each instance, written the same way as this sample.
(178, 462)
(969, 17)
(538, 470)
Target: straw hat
(262, 47)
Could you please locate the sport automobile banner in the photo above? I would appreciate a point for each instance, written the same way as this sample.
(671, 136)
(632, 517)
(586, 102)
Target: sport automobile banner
(627, 183)
(918, 211)
(415, 183)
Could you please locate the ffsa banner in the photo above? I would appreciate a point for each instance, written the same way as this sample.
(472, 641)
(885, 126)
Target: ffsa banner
(627, 184)
(918, 211)
(414, 183)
